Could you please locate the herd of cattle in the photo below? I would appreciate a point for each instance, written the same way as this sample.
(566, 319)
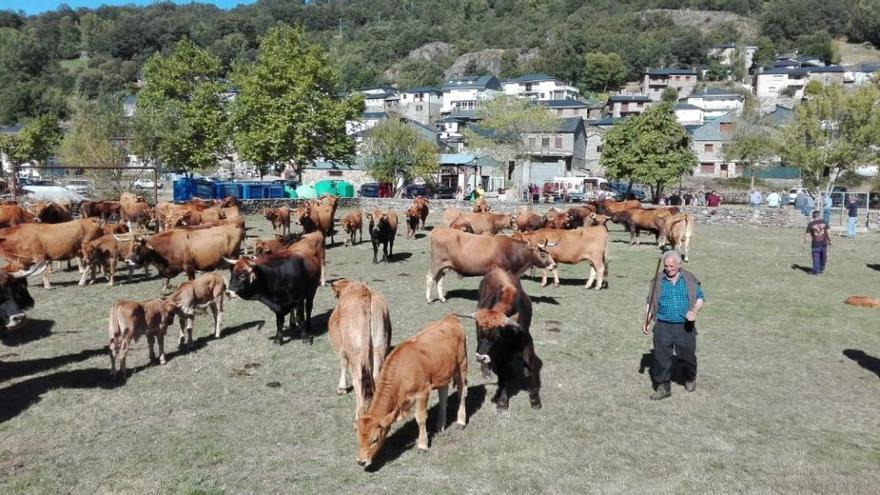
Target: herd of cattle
(285, 272)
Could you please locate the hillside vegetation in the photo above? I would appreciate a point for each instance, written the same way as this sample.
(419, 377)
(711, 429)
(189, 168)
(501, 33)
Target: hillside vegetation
(372, 42)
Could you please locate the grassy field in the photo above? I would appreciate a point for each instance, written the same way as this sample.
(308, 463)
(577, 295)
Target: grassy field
(856, 53)
(787, 399)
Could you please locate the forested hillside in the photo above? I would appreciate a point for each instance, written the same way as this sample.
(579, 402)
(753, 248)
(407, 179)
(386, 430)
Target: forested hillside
(46, 58)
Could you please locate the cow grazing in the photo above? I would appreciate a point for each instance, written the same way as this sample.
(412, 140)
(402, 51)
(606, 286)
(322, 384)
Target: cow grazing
(207, 290)
(429, 360)
(316, 217)
(573, 246)
(639, 219)
(104, 253)
(503, 319)
(383, 228)
(360, 333)
(12, 215)
(471, 254)
(481, 205)
(134, 210)
(489, 223)
(863, 301)
(187, 250)
(450, 215)
(279, 218)
(14, 296)
(31, 243)
(129, 320)
(284, 282)
(527, 221)
(680, 231)
(353, 224)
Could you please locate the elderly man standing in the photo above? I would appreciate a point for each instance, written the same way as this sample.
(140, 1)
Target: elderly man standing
(674, 302)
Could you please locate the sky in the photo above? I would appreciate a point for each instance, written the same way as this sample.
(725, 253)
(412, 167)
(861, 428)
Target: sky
(37, 6)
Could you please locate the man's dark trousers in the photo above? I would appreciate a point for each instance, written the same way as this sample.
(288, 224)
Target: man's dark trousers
(669, 336)
(820, 255)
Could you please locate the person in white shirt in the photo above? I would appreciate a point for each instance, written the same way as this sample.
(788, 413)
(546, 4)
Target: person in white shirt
(773, 199)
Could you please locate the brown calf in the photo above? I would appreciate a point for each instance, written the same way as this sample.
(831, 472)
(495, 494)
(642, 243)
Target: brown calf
(360, 334)
(481, 205)
(572, 246)
(207, 290)
(104, 253)
(489, 223)
(527, 221)
(279, 218)
(650, 219)
(316, 217)
(353, 224)
(129, 320)
(430, 360)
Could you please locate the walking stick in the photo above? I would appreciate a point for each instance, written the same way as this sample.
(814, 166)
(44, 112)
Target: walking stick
(654, 285)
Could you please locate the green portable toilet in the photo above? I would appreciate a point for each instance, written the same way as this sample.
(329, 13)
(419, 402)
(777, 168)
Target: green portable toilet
(290, 192)
(306, 192)
(344, 189)
(323, 187)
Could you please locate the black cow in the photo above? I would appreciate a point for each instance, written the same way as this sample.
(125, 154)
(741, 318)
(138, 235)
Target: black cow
(284, 282)
(14, 296)
(383, 228)
(503, 318)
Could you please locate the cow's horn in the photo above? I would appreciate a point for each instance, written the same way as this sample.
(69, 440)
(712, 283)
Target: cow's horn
(32, 271)
(123, 239)
(511, 322)
(470, 316)
(230, 260)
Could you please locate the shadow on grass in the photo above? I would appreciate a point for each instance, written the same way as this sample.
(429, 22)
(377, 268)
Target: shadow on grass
(17, 369)
(544, 300)
(805, 269)
(471, 294)
(404, 438)
(866, 361)
(421, 235)
(676, 371)
(202, 341)
(22, 395)
(873, 266)
(319, 327)
(398, 256)
(31, 330)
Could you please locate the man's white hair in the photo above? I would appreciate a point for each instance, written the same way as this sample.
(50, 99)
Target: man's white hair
(672, 253)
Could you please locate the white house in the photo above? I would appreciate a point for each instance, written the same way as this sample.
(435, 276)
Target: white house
(716, 102)
(688, 114)
(469, 92)
(540, 87)
(379, 99)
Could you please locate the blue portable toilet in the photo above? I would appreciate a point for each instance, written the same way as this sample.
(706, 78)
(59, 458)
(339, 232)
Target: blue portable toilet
(183, 189)
(224, 189)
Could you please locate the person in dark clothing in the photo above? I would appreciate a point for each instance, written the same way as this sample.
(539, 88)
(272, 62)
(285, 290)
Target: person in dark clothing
(675, 200)
(675, 299)
(852, 209)
(820, 241)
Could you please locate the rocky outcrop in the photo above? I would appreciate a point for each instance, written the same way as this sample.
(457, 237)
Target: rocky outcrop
(488, 60)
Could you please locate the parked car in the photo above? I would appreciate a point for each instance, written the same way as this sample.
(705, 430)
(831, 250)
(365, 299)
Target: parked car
(146, 184)
(369, 190)
(413, 190)
(79, 186)
(792, 193)
(444, 192)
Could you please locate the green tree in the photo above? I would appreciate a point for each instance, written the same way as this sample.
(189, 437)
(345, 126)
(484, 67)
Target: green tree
(818, 44)
(93, 140)
(832, 133)
(399, 153)
(34, 143)
(288, 111)
(181, 116)
(669, 94)
(650, 148)
(604, 71)
(505, 124)
(765, 54)
(716, 71)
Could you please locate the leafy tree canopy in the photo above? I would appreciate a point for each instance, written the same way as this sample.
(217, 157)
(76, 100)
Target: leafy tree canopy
(398, 153)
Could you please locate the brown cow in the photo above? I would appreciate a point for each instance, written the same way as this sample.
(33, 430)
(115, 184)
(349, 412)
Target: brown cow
(471, 254)
(134, 210)
(556, 219)
(481, 206)
(229, 202)
(489, 223)
(680, 231)
(421, 204)
(186, 250)
(573, 246)
(578, 216)
(383, 229)
(353, 224)
(105, 210)
(131, 319)
(231, 212)
(316, 217)
(450, 215)
(430, 360)
(461, 224)
(360, 334)
(279, 218)
(31, 243)
(527, 221)
(503, 319)
(104, 253)
(114, 228)
(12, 215)
(412, 221)
(51, 212)
(610, 207)
(205, 291)
(650, 219)
(208, 216)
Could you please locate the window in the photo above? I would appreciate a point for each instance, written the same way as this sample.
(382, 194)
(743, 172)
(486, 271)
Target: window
(334, 173)
(725, 127)
(708, 148)
(725, 147)
(599, 149)
(558, 143)
(418, 108)
(528, 87)
(707, 169)
(532, 143)
(545, 142)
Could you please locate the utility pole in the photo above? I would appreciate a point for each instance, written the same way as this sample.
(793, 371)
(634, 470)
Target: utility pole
(340, 27)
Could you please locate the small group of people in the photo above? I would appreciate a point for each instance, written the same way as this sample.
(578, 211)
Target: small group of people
(776, 199)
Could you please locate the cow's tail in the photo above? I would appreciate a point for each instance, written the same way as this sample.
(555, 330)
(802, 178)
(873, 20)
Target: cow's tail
(365, 364)
(113, 326)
